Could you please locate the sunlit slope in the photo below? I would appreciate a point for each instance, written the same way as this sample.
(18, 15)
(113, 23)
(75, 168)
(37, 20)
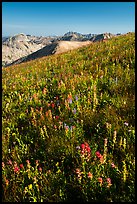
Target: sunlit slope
(108, 65)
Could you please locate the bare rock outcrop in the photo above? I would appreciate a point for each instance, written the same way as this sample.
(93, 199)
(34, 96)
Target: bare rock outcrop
(21, 45)
(53, 48)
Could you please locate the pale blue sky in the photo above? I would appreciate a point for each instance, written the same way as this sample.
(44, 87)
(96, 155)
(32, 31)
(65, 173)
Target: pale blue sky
(57, 18)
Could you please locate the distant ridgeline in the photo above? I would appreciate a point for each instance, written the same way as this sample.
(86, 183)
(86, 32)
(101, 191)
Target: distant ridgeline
(16, 48)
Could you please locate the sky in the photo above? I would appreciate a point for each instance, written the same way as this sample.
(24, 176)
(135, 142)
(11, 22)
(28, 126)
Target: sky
(57, 18)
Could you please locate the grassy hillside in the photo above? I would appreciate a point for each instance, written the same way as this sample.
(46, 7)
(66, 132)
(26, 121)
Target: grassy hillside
(68, 125)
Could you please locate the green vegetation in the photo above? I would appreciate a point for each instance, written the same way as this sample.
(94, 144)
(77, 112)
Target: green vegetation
(68, 125)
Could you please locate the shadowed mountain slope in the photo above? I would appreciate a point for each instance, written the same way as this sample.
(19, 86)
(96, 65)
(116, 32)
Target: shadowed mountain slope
(54, 48)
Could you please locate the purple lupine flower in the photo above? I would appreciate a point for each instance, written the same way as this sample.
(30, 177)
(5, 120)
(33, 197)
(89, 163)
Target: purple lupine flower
(76, 97)
(70, 128)
(74, 110)
(70, 100)
(66, 126)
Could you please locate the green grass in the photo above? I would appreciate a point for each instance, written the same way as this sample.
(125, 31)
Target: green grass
(52, 105)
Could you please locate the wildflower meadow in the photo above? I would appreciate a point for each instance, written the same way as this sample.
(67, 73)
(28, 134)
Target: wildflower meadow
(68, 125)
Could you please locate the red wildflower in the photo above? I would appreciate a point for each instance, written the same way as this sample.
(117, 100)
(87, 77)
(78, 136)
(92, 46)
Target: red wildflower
(37, 161)
(101, 159)
(85, 149)
(57, 117)
(40, 169)
(90, 175)
(10, 162)
(98, 155)
(88, 149)
(16, 169)
(55, 126)
(3, 165)
(69, 96)
(28, 162)
(109, 182)
(100, 180)
(82, 146)
(86, 144)
(78, 171)
(113, 165)
(52, 105)
(21, 166)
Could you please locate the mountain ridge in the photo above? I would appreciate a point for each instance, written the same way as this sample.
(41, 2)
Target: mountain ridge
(17, 48)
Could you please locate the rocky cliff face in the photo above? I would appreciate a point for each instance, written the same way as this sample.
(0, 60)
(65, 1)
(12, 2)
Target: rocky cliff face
(100, 37)
(21, 45)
